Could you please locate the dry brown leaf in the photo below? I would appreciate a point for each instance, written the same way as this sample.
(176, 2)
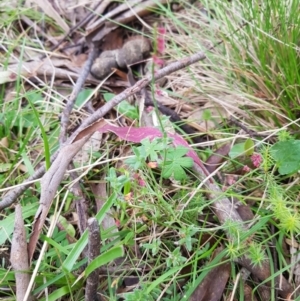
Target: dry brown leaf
(110, 15)
(4, 142)
(19, 255)
(73, 10)
(121, 14)
(137, 11)
(213, 285)
(98, 12)
(217, 157)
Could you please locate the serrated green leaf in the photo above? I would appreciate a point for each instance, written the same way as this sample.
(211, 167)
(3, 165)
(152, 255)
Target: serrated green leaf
(179, 173)
(186, 162)
(175, 163)
(167, 171)
(176, 153)
(152, 148)
(286, 156)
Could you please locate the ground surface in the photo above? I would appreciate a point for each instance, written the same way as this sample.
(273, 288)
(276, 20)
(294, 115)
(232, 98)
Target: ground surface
(173, 126)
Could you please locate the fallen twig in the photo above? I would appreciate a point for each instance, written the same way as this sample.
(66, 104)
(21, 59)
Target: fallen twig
(49, 184)
(92, 281)
(12, 195)
(80, 201)
(19, 255)
(65, 117)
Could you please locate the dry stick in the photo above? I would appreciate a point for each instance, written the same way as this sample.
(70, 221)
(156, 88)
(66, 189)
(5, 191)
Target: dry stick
(80, 201)
(137, 87)
(92, 281)
(12, 195)
(19, 256)
(65, 117)
(81, 207)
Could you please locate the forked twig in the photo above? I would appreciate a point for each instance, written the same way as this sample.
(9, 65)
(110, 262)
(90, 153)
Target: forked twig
(12, 195)
(65, 117)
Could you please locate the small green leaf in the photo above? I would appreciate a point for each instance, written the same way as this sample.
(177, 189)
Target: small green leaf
(83, 96)
(206, 115)
(237, 150)
(124, 107)
(5, 167)
(249, 147)
(286, 155)
(152, 148)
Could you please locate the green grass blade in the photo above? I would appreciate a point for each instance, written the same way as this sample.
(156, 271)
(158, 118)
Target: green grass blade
(44, 135)
(103, 259)
(82, 242)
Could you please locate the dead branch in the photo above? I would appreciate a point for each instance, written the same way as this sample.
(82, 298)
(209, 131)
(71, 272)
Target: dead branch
(65, 117)
(80, 201)
(19, 255)
(92, 281)
(49, 184)
(12, 195)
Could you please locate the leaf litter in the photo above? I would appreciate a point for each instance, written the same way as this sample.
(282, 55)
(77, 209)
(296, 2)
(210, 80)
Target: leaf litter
(65, 67)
